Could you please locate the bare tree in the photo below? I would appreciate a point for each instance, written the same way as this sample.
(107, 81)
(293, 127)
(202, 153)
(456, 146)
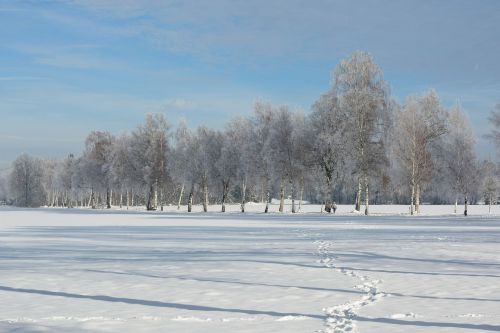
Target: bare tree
(421, 121)
(491, 183)
(25, 182)
(330, 141)
(363, 94)
(494, 118)
(150, 149)
(262, 143)
(460, 156)
(96, 160)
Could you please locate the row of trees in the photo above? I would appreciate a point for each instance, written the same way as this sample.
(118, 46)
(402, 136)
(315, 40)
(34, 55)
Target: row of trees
(356, 145)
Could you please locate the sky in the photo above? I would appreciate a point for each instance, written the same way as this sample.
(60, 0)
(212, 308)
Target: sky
(69, 67)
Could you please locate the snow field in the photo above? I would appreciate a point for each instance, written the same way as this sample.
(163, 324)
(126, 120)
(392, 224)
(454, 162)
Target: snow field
(80, 270)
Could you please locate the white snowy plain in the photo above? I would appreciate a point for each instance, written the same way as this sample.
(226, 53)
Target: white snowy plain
(82, 270)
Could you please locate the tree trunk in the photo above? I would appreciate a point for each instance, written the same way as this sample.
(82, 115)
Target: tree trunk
(282, 196)
(151, 198)
(489, 204)
(224, 195)
(155, 195)
(121, 199)
(456, 203)
(292, 192)
(301, 192)
(411, 199)
(268, 198)
(325, 206)
(190, 199)
(128, 198)
(108, 198)
(465, 207)
(243, 196)
(161, 199)
(417, 199)
(180, 197)
(205, 196)
(92, 198)
(367, 197)
(358, 197)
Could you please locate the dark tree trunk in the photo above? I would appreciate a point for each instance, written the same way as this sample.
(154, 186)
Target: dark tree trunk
(108, 198)
(225, 189)
(190, 200)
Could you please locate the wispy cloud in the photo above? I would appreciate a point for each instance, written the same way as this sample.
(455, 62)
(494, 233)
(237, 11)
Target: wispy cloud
(77, 56)
(23, 78)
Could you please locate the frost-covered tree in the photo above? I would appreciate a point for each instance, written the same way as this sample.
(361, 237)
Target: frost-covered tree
(181, 170)
(261, 142)
(363, 94)
(491, 183)
(123, 172)
(494, 118)
(281, 146)
(420, 122)
(204, 151)
(65, 174)
(460, 156)
(330, 142)
(235, 159)
(95, 165)
(149, 152)
(26, 182)
(49, 181)
(3, 190)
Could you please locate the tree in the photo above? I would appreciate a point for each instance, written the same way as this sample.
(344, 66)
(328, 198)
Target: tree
(363, 94)
(281, 146)
(494, 118)
(330, 144)
(491, 184)
(234, 162)
(25, 182)
(418, 124)
(203, 151)
(261, 142)
(65, 173)
(3, 190)
(96, 161)
(123, 173)
(181, 163)
(149, 151)
(460, 156)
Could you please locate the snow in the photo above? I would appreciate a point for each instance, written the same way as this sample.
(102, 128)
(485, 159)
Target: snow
(82, 270)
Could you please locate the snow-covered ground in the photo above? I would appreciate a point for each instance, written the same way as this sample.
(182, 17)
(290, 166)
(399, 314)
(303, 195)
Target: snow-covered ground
(82, 270)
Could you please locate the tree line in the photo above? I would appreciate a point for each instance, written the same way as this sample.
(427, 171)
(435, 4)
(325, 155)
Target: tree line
(356, 145)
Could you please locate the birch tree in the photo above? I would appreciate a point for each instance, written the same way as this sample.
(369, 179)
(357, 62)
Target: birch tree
(494, 118)
(460, 156)
(262, 144)
(419, 123)
(235, 163)
(25, 182)
(64, 177)
(330, 141)
(149, 149)
(95, 161)
(491, 184)
(281, 150)
(363, 94)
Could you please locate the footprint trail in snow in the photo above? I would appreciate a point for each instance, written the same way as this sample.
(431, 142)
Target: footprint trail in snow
(340, 318)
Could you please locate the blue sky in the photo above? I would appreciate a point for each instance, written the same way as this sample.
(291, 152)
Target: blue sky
(69, 67)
